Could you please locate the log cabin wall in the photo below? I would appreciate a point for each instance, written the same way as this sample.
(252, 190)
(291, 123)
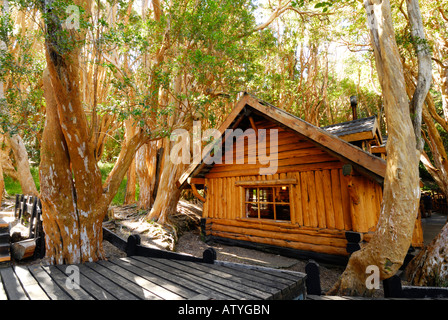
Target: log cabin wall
(323, 202)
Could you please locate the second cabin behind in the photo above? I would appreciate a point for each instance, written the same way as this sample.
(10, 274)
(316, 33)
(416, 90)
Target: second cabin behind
(322, 186)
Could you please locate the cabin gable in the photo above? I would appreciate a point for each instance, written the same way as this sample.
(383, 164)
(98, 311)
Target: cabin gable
(282, 149)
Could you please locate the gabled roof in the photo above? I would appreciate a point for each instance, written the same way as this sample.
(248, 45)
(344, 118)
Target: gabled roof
(363, 161)
(355, 130)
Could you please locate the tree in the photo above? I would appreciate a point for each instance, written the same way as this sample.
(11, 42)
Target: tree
(429, 267)
(390, 243)
(20, 95)
(74, 201)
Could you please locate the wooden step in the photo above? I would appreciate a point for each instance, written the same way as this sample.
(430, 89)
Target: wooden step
(5, 258)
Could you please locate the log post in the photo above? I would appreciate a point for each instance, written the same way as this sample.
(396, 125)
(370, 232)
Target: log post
(23, 249)
(313, 278)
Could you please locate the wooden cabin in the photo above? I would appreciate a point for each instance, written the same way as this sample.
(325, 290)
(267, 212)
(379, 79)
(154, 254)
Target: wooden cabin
(324, 188)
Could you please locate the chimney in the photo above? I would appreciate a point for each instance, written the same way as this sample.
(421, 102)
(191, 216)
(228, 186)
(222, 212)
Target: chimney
(354, 103)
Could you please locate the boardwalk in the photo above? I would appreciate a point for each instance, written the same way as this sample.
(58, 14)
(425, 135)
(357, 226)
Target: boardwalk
(143, 278)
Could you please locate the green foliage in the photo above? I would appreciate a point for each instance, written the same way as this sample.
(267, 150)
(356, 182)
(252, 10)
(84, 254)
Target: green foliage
(12, 187)
(105, 168)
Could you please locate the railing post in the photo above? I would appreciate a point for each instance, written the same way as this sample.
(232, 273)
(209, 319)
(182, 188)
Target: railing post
(131, 247)
(209, 255)
(313, 278)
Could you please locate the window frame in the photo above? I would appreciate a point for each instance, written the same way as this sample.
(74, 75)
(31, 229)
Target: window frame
(258, 203)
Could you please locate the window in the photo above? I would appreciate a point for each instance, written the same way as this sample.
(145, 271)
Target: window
(267, 203)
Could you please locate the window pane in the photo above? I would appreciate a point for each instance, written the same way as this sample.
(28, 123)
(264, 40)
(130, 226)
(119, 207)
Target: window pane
(266, 211)
(266, 194)
(251, 194)
(283, 212)
(282, 194)
(251, 210)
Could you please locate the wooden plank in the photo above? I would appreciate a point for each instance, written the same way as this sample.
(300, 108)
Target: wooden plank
(345, 201)
(293, 161)
(31, 286)
(3, 295)
(231, 197)
(370, 208)
(106, 284)
(283, 243)
(236, 281)
(89, 285)
(242, 170)
(271, 182)
(305, 198)
(209, 280)
(329, 208)
(178, 292)
(312, 199)
(283, 278)
(358, 203)
(208, 198)
(286, 236)
(183, 279)
(122, 282)
(215, 213)
(151, 289)
(337, 199)
(53, 291)
(296, 201)
(60, 278)
(252, 279)
(320, 197)
(12, 286)
(289, 149)
(279, 226)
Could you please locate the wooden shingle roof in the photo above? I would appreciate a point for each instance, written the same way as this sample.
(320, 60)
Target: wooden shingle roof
(356, 130)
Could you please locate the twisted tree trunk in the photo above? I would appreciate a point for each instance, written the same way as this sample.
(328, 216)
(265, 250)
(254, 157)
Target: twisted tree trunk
(74, 202)
(390, 243)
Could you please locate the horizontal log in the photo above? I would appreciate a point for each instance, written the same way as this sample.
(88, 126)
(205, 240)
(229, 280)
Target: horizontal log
(23, 249)
(196, 180)
(241, 170)
(265, 182)
(279, 227)
(302, 238)
(310, 159)
(282, 243)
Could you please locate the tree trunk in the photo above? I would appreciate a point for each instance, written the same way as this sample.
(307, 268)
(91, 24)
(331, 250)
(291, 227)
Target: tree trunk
(2, 183)
(424, 67)
(23, 165)
(444, 91)
(74, 202)
(168, 193)
(146, 164)
(390, 243)
(430, 266)
(131, 130)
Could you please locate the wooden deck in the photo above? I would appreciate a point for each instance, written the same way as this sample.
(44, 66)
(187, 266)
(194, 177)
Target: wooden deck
(143, 278)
